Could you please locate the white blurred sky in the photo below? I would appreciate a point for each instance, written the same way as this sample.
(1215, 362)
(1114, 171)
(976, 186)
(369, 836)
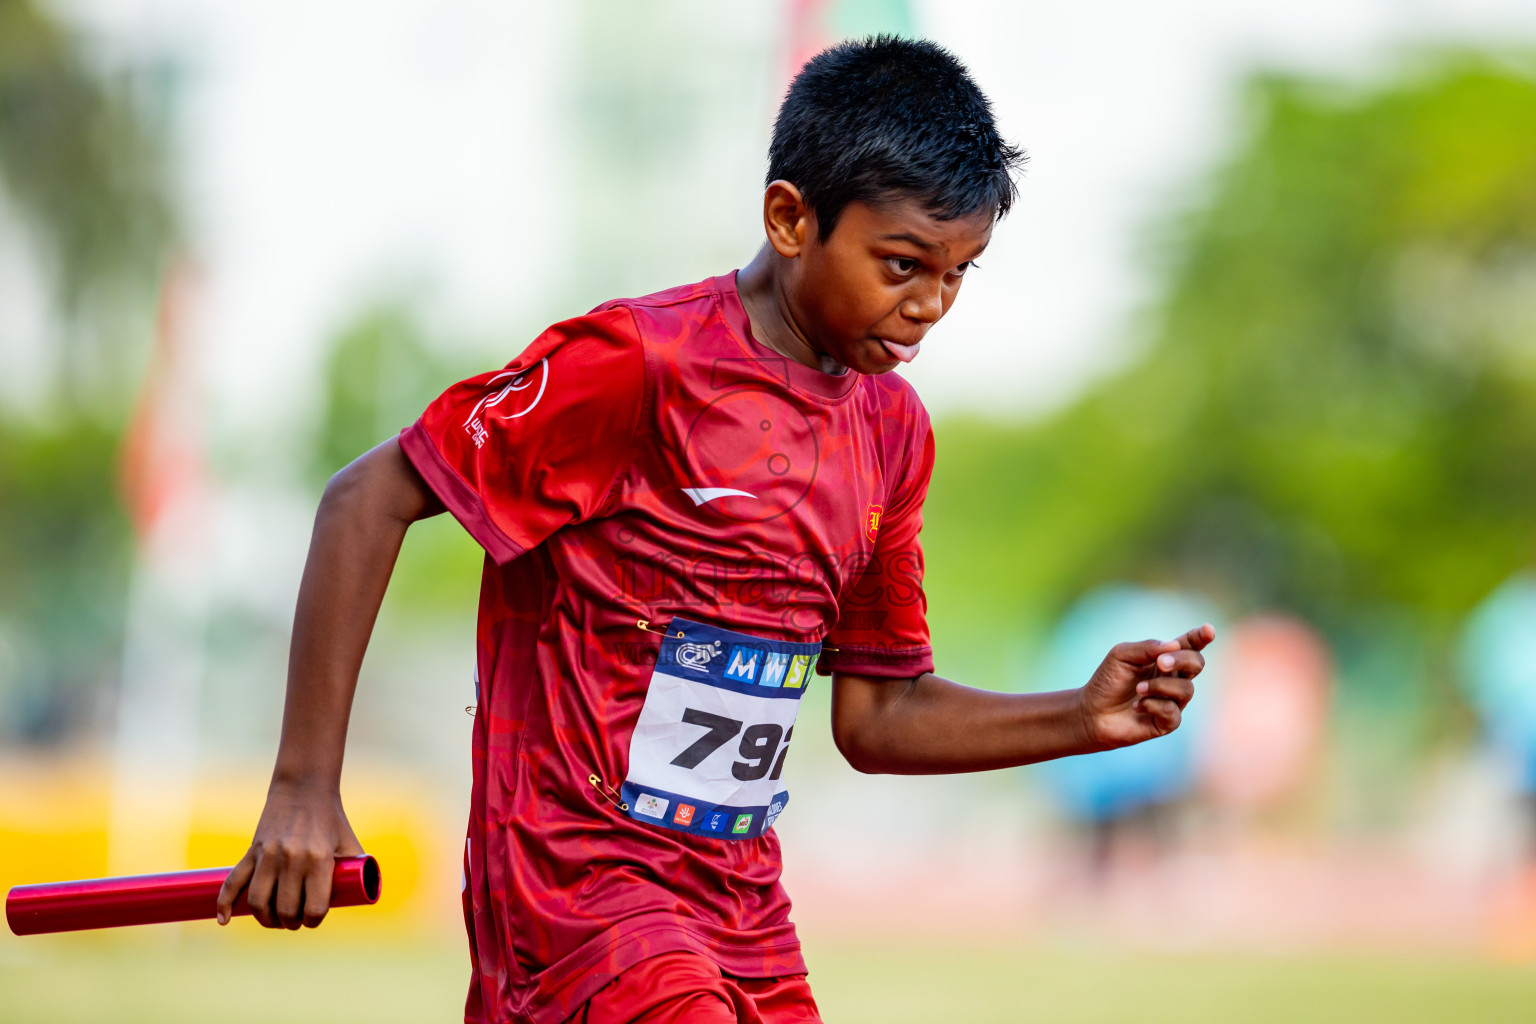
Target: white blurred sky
(334, 152)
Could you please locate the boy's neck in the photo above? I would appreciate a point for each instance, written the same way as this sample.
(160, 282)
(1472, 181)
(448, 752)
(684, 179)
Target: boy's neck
(771, 315)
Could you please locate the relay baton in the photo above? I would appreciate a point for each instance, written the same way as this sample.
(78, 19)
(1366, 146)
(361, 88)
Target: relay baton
(157, 899)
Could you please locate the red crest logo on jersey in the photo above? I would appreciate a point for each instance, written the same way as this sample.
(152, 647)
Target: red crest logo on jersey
(872, 514)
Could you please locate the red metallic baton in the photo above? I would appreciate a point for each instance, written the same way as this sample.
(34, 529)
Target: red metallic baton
(157, 899)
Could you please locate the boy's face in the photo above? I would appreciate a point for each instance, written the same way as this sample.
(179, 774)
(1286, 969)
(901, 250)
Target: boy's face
(866, 295)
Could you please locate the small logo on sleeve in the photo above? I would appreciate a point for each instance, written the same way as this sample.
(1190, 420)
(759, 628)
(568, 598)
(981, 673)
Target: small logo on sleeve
(517, 404)
(872, 514)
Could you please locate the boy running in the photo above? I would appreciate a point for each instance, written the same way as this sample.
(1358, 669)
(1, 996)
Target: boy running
(687, 501)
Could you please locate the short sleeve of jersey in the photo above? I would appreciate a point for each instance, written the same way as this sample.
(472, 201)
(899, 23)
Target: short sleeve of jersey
(518, 453)
(882, 624)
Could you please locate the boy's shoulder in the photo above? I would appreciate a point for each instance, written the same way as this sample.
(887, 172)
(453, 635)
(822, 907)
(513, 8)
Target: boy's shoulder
(713, 303)
(707, 291)
(673, 314)
(632, 325)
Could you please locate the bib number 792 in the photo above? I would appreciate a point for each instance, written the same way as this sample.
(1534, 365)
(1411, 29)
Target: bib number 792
(758, 745)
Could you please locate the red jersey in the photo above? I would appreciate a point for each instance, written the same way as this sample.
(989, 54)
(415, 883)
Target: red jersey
(652, 463)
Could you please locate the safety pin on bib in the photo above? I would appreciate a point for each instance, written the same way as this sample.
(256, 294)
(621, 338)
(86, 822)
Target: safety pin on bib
(608, 793)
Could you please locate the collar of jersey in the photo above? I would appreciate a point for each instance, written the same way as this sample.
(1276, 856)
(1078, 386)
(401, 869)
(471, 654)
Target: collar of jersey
(812, 383)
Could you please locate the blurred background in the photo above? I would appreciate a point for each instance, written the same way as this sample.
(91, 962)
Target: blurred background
(1257, 346)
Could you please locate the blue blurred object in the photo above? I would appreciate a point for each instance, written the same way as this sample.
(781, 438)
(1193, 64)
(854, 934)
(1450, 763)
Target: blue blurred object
(1106, 786)
(1498, 661)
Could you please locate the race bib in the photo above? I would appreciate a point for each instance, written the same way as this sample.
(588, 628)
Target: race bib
(709, 748)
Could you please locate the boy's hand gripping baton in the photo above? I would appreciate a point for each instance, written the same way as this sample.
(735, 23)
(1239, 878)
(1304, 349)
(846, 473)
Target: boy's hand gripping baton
(157, 899)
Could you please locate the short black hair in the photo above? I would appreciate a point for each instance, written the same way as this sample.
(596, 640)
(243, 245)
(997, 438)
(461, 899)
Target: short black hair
(875, 119)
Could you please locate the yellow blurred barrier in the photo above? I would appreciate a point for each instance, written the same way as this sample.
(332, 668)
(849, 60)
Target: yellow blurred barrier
(54, 814)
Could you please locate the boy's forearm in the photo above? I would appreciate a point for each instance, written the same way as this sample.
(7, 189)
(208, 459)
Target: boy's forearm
(930, 725)
(359, 527)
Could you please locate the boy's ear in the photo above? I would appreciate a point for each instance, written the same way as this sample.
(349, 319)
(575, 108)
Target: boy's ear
(789, 222)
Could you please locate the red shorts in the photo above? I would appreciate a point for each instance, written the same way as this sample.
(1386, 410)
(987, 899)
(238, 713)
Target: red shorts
(687, 988)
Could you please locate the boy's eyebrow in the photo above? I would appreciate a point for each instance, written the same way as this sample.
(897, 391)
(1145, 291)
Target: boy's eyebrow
(906, 236)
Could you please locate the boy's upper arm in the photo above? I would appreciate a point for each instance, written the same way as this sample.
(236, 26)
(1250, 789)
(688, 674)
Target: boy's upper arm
(882, 625)
(520, 452)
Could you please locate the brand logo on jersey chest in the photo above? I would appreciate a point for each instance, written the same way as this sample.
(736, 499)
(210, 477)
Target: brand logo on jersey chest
(751, 454)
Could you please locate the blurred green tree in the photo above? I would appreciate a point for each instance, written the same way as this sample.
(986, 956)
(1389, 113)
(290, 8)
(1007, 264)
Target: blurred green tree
(83, 185)
(381, 373)
(1336, 411)
(82, 164)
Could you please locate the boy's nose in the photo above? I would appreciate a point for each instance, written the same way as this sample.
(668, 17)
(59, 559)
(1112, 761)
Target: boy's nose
(926, 306)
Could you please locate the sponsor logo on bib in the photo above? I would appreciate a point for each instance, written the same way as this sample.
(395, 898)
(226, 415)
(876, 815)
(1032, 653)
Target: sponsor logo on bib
(743, 663)
(697, 656)
(651, 806)
(766, 668)
(775, 666)
(684, 815)
(774, 810)
(743, 823)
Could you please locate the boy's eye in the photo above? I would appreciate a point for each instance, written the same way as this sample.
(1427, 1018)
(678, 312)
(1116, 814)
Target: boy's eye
(962, 268)
(901, 265)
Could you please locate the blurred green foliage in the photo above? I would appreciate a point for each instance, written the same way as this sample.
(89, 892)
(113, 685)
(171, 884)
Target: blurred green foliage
(83, 164)
(64, 546)
(1335, 414)
(381, 373)
(82, 171)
